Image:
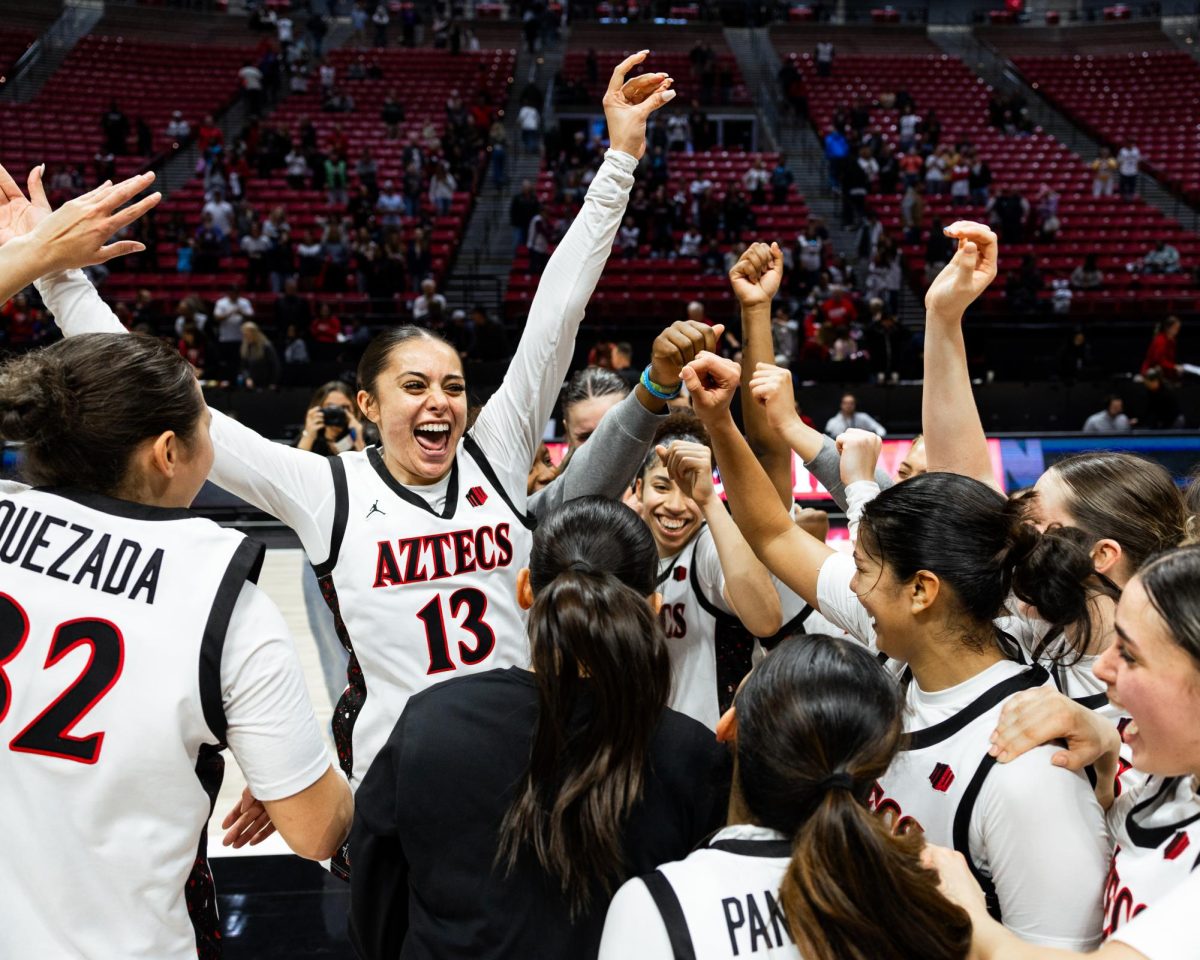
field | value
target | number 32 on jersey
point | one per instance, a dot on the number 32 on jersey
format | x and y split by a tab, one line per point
49	733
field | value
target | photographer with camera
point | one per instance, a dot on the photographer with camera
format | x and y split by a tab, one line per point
333	425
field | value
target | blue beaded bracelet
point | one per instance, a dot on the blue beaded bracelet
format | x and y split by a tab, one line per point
656	390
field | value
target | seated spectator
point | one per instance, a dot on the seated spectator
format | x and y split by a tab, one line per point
1047	214
291	309
781	181
392	115
1160	356
427	302
1111	419
1087	276
628	237
755	181
1164	258
1075	360
259	361
849	416
390	205
311	259
177	127
1007	213
1129	158
785	337
689	245
190	310
538	242
295	349
296	169
980	181
886	343
838	308
1060	295
491	339
441	189
231	312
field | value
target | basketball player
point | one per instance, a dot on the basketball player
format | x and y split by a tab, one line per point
134	647
1153	672
418	542
804	868
706	570
930	573
1128	508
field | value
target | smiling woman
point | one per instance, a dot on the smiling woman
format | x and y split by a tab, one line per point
418	541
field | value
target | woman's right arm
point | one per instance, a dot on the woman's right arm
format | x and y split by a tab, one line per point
954	437
290	484
787	551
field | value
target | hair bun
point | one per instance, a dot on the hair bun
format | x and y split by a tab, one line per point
35	398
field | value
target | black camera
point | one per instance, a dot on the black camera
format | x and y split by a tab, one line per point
335	416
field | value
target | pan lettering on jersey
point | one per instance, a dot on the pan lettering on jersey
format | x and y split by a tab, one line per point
440	556
47	545
753	927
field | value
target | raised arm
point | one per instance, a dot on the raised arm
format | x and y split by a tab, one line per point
34	241
787	551
607	464
510	425
748	589
755	279
954	437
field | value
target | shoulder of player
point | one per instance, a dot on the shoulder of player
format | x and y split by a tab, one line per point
1010	786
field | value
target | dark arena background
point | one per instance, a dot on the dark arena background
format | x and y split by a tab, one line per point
332	168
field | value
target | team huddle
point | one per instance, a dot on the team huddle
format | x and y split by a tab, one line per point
591	710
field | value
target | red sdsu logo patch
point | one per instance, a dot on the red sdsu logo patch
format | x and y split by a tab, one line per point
680	574
1178	844
941	778
476	497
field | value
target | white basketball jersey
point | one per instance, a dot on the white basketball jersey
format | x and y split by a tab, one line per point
1155	830
723	900
112	623
936	778
417	596
689	621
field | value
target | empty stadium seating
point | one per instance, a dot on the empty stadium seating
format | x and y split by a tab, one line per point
1149	98
147	80
1117	230
13	43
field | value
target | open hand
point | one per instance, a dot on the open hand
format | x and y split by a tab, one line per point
689	464
247	823
628	104
771	388
757	274
711	382
74	235
679	345
968	273
1033	717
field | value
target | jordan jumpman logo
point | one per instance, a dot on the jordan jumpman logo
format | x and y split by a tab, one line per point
374	509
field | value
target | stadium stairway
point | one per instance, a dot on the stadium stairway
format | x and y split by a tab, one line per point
1002	74
759	62
52	48
484	260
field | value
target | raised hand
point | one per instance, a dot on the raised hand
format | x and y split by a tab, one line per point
711	382
689	464
628	104
859	450
678	346
247	823
968	273
757	274
19	215
771	388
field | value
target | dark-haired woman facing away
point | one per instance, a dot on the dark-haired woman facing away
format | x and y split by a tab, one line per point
134	647
418	541
507	807
805	868
935	562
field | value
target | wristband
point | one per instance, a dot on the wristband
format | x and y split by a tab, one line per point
656	391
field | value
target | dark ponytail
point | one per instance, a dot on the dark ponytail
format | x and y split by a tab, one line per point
979	544
81	407
594	639
818	722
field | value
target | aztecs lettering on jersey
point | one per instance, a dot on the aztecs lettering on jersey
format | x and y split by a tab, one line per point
756	922
1155	848
440	556
673	618
890	810
33	540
